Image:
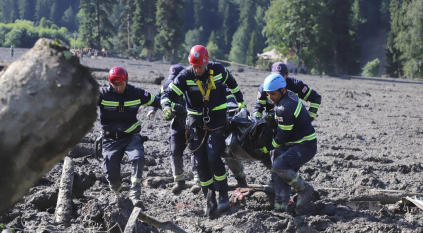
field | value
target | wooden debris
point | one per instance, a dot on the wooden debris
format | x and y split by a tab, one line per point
138	213
64	201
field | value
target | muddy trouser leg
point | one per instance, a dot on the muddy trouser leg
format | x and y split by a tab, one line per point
113	151
177	147
215	148
135	152
236	168
194	168
286	163
203	166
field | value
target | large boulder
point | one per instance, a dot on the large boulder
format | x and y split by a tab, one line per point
47	105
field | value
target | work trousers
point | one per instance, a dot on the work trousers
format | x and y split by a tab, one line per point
176	149
288	159
210	166
113	151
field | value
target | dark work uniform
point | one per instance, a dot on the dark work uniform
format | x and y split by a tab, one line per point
118	118
177	130
294	144
208	155
296	86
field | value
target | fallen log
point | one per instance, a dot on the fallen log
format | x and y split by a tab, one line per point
47	104
137	213
64	201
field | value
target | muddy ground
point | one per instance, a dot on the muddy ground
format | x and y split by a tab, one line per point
369	156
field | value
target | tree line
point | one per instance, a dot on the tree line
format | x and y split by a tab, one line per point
323	36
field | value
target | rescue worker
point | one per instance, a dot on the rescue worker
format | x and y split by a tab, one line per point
177	134
295	85
119	103
203	85
177	141
293	145
11	51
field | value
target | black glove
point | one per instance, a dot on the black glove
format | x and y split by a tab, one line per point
270	120
179	111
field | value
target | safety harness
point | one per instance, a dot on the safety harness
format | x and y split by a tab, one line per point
206	97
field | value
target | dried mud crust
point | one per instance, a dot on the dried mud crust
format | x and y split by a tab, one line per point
369	134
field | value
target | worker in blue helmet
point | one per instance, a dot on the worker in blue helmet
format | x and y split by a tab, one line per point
293	145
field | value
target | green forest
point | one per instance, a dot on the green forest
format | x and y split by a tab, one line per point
322	36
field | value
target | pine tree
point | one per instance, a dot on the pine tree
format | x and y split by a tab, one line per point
229	25
169	23
252	50
26	9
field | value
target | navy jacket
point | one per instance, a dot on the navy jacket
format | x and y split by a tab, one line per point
294	124
184	85
292	84
118	112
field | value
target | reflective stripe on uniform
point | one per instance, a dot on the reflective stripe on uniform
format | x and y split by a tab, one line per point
110	103
135	180
314	105
164	100
308	93
220	107
217	77
151	100
132	103
306	138
298	110
220	178
312	114
230	96
286	127
175	89
227	75
206	183
235	90
262	102
134	126
274	144
297	176
194	113
191	83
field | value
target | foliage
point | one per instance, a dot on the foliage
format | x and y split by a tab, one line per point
372	68
24	34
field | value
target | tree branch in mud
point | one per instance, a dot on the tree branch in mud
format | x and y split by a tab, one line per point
64	201
47	104
137	213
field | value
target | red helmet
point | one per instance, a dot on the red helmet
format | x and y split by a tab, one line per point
198	55
117	75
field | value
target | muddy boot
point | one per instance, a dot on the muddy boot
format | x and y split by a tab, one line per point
280	207
211	203
178	186
197	186
223	205
304	191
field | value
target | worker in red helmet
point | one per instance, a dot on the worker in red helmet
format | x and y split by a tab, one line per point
204	86
119	103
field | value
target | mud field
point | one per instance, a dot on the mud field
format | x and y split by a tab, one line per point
369	158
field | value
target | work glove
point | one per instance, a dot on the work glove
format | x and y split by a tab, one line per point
179	111
257	115
270	120
151	114
168	114
241	105
313	113
261	151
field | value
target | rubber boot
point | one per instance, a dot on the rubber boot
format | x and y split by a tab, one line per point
242	182
280	207
196	187
223	205
304	191
179	185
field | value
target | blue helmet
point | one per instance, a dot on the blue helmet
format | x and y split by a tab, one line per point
274	82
